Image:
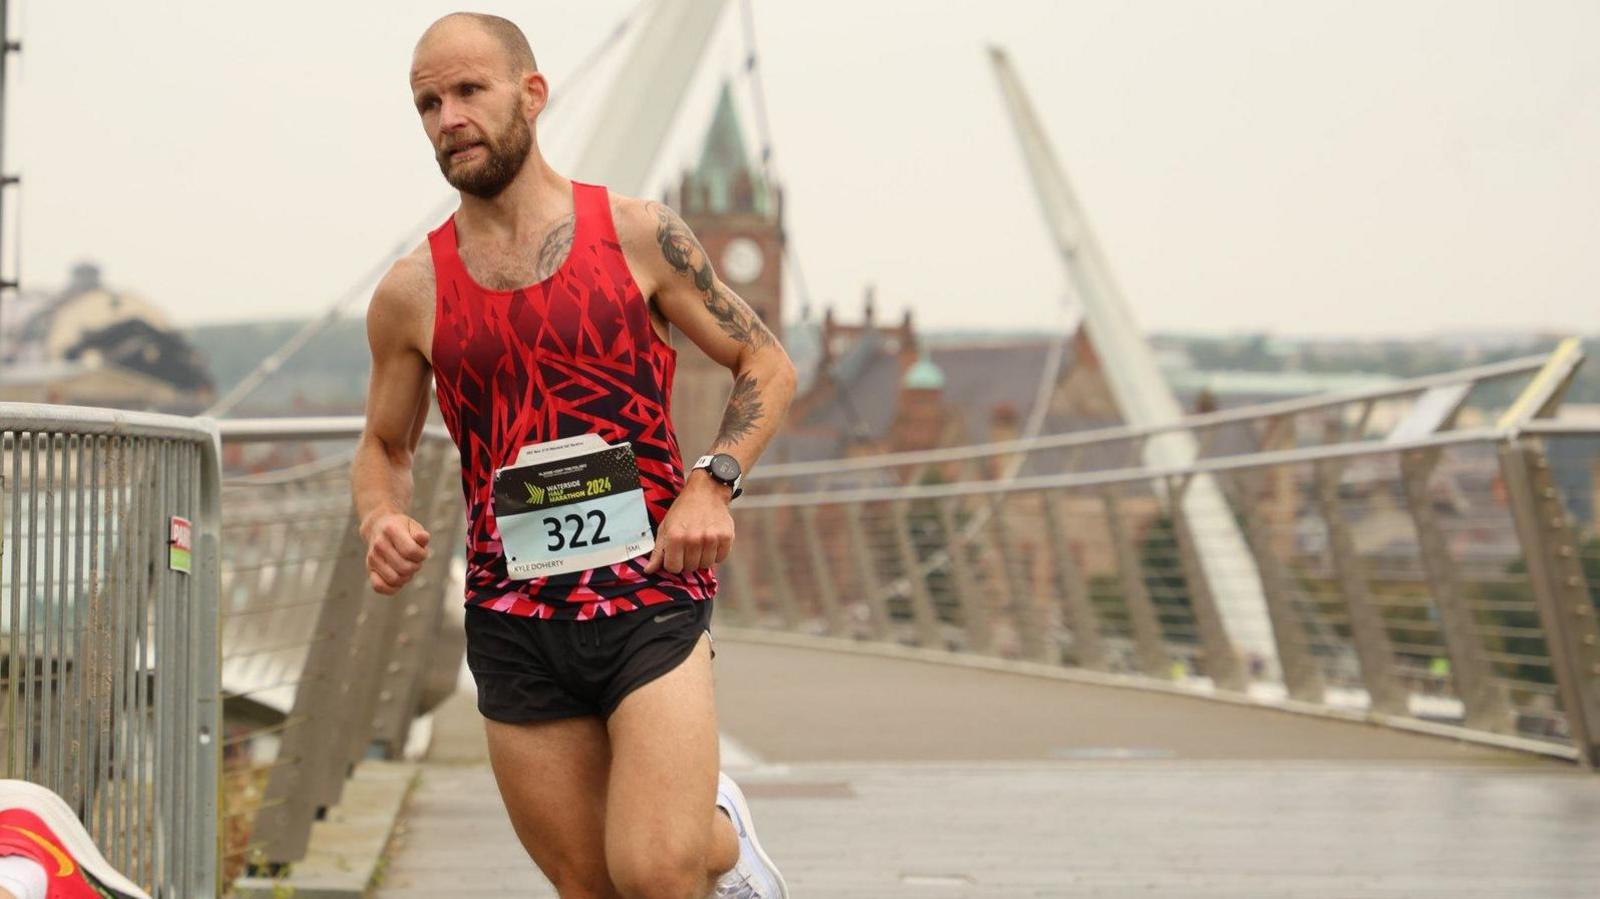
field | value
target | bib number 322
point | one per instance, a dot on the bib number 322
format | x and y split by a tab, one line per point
568	530
571	511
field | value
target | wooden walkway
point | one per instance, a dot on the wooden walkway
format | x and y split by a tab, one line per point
879	778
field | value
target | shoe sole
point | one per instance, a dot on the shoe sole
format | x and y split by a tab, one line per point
54	811
749	820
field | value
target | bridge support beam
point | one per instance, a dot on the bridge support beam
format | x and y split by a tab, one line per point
974	608
1077	610
421	603
1150	650
777	570
1301	675
1033	634
313	756
1561	591
1372	645
1222	663
922	613
737	596
867	574
1483	699
822	572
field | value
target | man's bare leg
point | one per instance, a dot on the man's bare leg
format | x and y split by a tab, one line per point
552	777
665	837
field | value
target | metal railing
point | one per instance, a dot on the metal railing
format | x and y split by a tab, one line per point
318	670
110	647
1422	562
1419	561
199	722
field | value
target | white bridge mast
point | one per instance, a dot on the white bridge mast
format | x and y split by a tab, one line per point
1141	393
639	108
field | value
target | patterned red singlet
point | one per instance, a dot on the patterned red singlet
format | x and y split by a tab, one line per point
573	354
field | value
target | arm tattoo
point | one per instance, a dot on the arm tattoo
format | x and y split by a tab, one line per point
743	414
680	249
736	319
553	252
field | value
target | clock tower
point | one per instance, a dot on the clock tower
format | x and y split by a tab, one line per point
738	217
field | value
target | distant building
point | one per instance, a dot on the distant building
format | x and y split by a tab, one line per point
738	217
883	387
94	346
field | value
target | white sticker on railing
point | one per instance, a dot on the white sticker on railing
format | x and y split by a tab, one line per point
180	545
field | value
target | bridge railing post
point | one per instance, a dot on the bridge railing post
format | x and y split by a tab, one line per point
736	591
1077	610
1367	629
1221	662
863	553
822	570
421	607
778	568
923	616
314	753
1150	650
970	599
1560	589
1034	640
1302	676
1484	701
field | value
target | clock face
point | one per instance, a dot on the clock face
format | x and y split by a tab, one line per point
742	260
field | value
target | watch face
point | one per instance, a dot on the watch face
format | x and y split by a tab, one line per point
724	467
742	260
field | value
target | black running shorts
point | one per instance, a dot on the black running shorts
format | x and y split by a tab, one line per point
534	669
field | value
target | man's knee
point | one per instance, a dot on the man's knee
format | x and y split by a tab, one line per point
578	876
582	883
660	872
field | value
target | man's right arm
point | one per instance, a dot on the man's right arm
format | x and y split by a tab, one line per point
397	406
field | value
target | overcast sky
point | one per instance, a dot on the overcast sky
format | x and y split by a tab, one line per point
1302	167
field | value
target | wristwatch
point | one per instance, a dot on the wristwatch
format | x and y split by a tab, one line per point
724	468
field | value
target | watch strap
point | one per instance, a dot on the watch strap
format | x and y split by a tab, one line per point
705	462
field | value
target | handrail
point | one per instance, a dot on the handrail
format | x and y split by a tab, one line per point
1489	372
86	420
269	430
1116	475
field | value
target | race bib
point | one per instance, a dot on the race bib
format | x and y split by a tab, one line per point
571	508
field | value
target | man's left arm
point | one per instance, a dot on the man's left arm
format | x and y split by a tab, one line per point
697	531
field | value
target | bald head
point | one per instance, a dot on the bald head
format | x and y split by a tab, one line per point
504	32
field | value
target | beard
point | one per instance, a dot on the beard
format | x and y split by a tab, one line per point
505	154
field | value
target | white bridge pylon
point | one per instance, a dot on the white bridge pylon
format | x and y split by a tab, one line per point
633	122
1142	395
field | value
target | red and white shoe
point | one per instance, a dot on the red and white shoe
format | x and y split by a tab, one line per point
36	823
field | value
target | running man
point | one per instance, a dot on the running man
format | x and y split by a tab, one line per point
542	308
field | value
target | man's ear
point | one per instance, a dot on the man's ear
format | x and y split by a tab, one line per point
535	92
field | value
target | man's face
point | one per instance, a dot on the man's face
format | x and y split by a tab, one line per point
472	110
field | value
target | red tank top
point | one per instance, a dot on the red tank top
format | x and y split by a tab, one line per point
574	354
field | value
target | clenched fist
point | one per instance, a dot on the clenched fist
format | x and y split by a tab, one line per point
697	531
397	545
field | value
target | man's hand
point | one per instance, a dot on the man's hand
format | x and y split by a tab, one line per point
397	545
697	531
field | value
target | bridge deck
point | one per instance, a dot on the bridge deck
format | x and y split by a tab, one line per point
883	778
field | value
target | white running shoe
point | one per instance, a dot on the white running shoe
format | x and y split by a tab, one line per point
754	876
